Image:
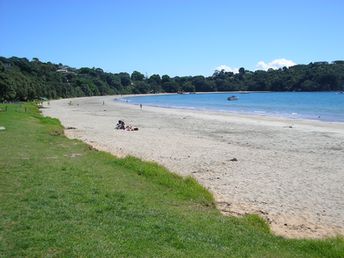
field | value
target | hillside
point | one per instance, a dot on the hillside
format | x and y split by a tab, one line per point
21	79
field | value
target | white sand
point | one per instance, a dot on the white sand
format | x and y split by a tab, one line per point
293	177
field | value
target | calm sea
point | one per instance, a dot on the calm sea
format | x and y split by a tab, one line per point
326	106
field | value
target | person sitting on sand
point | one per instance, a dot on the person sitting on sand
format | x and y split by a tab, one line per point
130	128
120	125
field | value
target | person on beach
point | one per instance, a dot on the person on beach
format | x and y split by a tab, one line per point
130	128
141	106
120	125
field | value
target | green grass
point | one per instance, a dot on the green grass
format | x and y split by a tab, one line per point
59	197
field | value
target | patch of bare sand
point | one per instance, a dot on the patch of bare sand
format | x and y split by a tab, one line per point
288	171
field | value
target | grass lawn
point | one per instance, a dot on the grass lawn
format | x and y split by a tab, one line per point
59	197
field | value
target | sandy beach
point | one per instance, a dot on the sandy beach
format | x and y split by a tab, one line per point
288	171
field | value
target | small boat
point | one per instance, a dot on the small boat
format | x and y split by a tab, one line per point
231	98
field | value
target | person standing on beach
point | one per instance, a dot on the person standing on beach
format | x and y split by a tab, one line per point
141	106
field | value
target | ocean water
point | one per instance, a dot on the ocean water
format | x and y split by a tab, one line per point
325	106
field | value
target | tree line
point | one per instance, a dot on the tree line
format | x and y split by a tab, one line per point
21	79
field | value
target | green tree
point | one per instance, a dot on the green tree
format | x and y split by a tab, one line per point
137	76
141	87
125	79
165	78
188	87
170	86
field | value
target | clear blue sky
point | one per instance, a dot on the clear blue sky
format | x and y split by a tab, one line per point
175	37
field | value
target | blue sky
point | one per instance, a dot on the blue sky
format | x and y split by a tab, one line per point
172	37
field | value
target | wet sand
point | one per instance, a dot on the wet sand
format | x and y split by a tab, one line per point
288	171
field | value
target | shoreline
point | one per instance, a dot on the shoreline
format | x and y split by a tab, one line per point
242	113
293	116
291	176
338	126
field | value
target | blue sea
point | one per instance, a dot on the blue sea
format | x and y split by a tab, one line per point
325	106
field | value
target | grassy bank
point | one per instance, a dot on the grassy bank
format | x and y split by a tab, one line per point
59	197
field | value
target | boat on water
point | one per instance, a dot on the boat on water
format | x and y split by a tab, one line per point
231	98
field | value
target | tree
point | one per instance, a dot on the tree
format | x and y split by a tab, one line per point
188	87
141	87
21	79
165	78
137	76
155	83
170	86
7	89
155	78
201	84
125	79
242	71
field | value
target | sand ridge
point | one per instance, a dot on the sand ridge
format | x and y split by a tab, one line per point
288	171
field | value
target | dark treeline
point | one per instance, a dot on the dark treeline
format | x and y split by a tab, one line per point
21	79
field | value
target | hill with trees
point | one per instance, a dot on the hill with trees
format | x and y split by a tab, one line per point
21	79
